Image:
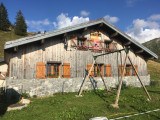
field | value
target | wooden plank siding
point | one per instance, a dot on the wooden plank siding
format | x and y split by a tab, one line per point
23	64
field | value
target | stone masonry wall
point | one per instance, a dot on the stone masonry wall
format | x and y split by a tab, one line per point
42	87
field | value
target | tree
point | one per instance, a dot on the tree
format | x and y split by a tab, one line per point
20	25
4	21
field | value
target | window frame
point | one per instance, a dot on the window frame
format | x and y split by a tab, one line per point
53	70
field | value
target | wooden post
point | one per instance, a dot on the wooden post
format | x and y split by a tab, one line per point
85	81
140	79
102	79
120	85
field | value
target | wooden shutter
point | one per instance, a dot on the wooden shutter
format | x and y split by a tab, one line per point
120	69
136	67
92	71
91	44
73	41
40	70
108	70
101	44
8	70
115	46
66	70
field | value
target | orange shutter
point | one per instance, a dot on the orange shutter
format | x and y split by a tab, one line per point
136	67
40	70
120	70
66	70
92	71
108	70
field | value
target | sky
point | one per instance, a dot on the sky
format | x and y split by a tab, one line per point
138	18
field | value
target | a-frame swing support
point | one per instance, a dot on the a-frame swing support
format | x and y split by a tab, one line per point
94	62
120	83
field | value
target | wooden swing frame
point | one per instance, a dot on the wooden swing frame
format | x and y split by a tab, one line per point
122	75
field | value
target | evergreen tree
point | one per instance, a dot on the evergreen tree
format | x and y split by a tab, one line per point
4	21
20	25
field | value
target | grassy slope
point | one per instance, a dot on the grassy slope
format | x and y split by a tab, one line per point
154	69
8	36
154	45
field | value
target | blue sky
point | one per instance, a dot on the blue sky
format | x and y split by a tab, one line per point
138	18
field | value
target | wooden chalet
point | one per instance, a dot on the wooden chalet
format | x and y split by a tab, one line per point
68	53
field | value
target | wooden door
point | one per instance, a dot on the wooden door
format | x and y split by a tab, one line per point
66	70
108	70
40	70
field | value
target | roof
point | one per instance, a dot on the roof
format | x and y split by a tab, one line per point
1	59
38	37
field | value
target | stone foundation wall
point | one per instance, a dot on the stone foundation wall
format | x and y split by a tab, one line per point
41	87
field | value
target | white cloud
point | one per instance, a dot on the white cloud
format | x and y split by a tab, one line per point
111	19
84	13
144	30
39	25
38	22
131	3
154	17
63	20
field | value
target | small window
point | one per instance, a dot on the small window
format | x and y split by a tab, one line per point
53	70
97	70
80	42
129	70
111	46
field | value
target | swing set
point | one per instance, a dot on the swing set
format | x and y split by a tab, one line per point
115	105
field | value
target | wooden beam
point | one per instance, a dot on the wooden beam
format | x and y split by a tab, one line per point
101	25
65	34
151	58
42	41
15	49
85	28
139	51
113	35
127	43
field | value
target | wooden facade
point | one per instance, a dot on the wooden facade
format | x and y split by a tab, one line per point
70	55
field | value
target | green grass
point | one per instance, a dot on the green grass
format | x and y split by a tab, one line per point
68	107
154	69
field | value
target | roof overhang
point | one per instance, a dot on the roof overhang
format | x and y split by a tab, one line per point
38	37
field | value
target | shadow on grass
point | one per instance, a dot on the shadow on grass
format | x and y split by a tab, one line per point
6	99
141	111
157	92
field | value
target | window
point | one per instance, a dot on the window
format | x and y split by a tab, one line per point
110	46
96	70
129	70
82	43
53	70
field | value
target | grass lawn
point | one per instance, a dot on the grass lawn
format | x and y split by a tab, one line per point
92	104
